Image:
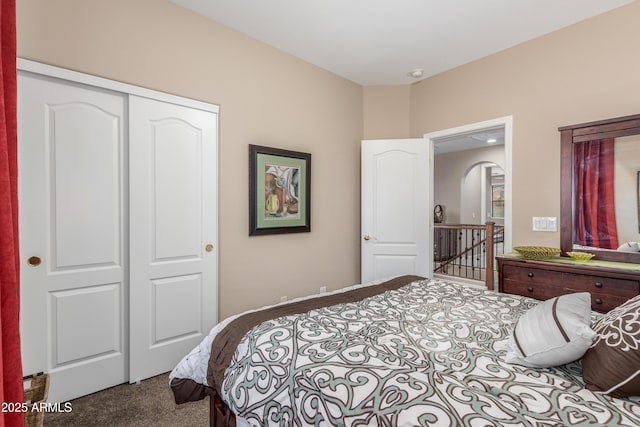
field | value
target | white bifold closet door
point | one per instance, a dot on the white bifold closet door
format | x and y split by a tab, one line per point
118	207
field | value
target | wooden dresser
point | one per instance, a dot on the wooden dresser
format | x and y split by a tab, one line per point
610	283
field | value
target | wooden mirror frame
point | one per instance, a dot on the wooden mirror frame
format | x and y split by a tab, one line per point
575	134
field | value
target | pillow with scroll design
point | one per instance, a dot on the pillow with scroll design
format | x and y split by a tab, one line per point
612	364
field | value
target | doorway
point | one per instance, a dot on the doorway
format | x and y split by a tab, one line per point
486	146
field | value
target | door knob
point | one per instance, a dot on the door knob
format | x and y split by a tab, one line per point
34	261
209	247
367	237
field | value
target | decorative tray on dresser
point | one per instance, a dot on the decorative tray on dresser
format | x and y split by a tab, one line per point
610	283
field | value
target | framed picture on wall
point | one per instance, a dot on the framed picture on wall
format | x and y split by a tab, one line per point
279	191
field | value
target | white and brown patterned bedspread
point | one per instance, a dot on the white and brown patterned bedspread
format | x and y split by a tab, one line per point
430	353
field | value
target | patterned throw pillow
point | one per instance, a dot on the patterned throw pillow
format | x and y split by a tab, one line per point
612	364
555	332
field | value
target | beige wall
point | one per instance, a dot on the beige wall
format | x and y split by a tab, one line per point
386	113
585	72
266	97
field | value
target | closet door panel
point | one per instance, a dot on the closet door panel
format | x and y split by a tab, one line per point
173	299
177	213
173	159
84	145
99	309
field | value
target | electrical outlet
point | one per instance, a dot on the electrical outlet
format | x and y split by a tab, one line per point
283	299
323	289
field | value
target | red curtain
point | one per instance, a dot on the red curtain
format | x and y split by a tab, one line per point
11	388
595	220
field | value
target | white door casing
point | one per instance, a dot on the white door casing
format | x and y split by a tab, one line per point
72	170
505	122
173	239
396	221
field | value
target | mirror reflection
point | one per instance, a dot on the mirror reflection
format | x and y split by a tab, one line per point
605	194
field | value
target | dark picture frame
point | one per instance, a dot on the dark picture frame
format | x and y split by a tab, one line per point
279	191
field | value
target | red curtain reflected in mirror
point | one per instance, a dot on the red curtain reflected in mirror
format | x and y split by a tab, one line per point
595	221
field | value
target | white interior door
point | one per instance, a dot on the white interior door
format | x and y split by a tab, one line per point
396	219
72	174
173	242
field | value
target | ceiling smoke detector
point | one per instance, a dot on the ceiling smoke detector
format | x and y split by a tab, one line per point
417	73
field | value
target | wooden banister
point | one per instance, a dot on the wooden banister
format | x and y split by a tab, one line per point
491	230
488	278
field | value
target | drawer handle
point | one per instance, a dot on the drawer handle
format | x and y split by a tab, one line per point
598	301
530	274
598	285
530	289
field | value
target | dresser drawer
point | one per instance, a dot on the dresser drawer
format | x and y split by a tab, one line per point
599	301
531	275
605	302
535	290
624	288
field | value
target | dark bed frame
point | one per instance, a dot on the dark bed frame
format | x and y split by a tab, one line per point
219	413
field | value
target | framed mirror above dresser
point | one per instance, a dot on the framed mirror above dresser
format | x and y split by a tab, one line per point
599	173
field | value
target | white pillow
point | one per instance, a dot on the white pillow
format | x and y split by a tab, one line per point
629	247
555	332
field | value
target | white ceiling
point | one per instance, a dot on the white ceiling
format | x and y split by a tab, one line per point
469	141
379	42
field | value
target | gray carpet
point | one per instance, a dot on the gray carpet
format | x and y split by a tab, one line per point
149	403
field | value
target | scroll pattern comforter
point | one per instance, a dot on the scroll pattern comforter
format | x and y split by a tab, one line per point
429	353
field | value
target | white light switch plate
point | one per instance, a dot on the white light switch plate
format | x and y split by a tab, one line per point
545	223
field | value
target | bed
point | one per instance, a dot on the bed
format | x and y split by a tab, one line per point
402	352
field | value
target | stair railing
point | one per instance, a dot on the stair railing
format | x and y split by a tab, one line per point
486	241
